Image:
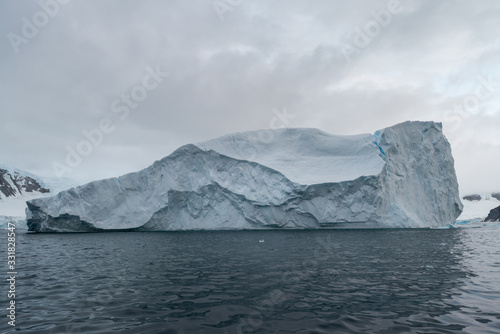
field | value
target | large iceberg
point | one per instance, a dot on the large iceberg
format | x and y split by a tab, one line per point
401	176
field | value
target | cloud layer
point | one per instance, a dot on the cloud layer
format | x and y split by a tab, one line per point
345	67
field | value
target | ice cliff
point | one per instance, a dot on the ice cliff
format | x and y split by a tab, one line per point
401	176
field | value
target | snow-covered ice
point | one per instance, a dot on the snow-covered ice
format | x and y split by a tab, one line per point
312	157
401	176
22	186
19	221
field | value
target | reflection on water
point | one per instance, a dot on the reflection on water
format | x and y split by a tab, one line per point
372	281
478	299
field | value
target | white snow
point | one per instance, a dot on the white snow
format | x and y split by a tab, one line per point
478	209
304	156
20	222
56	184
12	185
402	176
14	208
53	183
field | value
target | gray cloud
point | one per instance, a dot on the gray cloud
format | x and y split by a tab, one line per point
227	76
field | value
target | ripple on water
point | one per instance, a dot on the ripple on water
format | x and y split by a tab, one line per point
425	281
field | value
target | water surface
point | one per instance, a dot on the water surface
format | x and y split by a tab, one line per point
329	281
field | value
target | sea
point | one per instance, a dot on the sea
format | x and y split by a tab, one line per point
270	281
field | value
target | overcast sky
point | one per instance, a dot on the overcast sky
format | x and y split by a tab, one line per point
232	65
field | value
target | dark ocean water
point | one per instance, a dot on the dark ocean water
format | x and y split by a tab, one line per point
330	281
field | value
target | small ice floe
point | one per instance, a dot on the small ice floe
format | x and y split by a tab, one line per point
446	227
463	222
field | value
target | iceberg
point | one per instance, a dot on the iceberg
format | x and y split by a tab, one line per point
399	177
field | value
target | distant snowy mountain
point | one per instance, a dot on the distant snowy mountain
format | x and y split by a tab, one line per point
16	183
18	186
478	206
